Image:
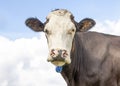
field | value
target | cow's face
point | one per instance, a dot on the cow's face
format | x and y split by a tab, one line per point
60	29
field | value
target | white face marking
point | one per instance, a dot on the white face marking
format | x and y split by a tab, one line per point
60	31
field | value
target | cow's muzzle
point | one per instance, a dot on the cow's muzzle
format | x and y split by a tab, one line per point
57	56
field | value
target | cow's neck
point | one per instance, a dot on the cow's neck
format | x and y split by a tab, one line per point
82	68
72	71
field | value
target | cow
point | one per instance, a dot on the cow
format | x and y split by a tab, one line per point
87	58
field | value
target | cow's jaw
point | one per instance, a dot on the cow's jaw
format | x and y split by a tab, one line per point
59	31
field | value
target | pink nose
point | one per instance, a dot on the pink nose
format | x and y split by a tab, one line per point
58	54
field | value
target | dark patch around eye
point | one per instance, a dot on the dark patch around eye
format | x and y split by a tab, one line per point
71	31
46	31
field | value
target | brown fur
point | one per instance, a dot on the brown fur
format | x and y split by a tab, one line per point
95	61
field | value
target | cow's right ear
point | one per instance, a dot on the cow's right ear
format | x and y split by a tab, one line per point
35	24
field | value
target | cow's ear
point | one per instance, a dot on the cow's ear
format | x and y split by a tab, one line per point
35	24
85	24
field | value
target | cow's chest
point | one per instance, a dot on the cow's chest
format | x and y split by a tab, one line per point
79	79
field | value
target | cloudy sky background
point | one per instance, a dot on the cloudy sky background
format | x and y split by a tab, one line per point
23	53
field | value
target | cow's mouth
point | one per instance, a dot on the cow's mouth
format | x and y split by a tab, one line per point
59	57
58	63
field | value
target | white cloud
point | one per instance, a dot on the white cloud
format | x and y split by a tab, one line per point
107	26
23	61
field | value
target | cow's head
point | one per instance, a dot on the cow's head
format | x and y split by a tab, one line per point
60	28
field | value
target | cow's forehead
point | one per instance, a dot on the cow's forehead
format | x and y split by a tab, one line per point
60	12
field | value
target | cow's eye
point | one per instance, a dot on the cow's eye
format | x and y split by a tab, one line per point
46	31
71	31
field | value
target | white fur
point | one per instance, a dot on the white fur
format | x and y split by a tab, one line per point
60	32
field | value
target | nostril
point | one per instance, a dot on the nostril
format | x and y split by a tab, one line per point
52	53
64	53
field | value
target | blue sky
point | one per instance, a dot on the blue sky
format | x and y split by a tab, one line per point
23	53
13	13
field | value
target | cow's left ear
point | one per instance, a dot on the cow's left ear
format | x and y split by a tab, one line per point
85	24
34	24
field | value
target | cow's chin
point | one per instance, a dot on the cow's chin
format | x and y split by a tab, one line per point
61	63
58	63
